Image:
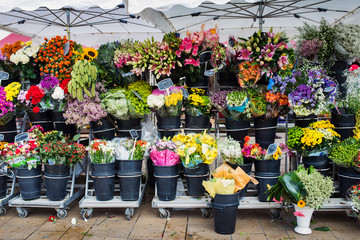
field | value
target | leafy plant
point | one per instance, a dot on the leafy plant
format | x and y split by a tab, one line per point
84	76
345	152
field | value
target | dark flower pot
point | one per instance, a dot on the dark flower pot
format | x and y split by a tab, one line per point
104	130
56	178
3	185
124	126
29	182
344	123
305	121
43	119
168	126
265	131
237	129
9	131
347	178
166	182
225	208
262	187
197	122
195	177
129	167
129	187
228	79
321	163
104	180
60	125
267	168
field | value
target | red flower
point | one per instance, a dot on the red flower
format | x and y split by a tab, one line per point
51	218
353	67
36	109
64	84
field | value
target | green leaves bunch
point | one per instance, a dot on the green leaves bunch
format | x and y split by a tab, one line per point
83	79
294	138
345	152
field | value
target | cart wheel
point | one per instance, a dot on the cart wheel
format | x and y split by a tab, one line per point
129	212
164	214
276	213
22	212
2	211
61	213
206	213
86	213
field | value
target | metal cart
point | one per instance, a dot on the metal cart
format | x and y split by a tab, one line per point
9	195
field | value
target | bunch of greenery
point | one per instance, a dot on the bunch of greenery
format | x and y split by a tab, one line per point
348	38
345	152
137	103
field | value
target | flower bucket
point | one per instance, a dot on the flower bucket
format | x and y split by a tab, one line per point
303	222
347	178
237	129
199	83
228	79
129	167
344	123
124	126
104	180
246	167
267	168
195	177
56	178
263	186
166	182
129	187
197	122
3	186
9	131
320	163
225	208
29	182
305	121
41	118
168	126
104	130
265	131
59	124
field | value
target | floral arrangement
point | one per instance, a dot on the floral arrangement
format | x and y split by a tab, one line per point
268	51
136	95
355	197
313	140
168	104
9	49
198	104
88	54
195	149
5	64
53	59
248	73
346	153
7	99
58	97
219	55
122	55
163	153
230	151
277	104
304	187
21	155
32	98
275	151
351	103
114	102
101	151
238	104
347	37
309	49
130	149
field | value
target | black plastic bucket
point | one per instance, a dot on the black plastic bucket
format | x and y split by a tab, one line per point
104	180
129	187
344	123
321	163
126	133
195	177
43	119
166	182
104	130
246	166
3	186
59	124
197	122
200	82
128	124
305	121
237	129
129	167
225	208
267	168
168	122
263	186
29	182
265	131
347	178
9	131
228	79
103	169
56	178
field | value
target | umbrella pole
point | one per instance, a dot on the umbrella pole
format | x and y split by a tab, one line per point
261	12
68	23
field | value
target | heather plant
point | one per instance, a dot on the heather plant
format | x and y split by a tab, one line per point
347	38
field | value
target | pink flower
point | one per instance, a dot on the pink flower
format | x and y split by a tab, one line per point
194	52
281	199
178	53
353	67
190	61
245	54
282	45
283	62
270	34
299	214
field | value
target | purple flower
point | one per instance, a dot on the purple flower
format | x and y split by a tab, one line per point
49	82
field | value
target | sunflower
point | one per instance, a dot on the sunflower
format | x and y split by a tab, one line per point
90	54
301	203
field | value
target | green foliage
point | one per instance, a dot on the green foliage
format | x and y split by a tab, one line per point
83	79
345	152
294	138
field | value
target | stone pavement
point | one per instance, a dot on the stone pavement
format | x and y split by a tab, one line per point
182	224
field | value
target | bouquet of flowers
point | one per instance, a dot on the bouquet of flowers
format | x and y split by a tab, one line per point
230	151
198	104
303	187
314	140
32	97
355	197
130	149
277	104
274	152
351	103
309	49
168	105
194	149
346	153
163	153
8	97
101	151
5	64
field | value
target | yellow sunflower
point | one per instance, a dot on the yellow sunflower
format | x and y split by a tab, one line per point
90	54
301	203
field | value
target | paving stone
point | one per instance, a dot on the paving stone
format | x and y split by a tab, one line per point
251	236
18	232
48	235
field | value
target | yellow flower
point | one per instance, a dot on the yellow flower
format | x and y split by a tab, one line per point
12	90
301	203
90	54
268	186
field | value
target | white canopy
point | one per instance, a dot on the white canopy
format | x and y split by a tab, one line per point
88	24
243	17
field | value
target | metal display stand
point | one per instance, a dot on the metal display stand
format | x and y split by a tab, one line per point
43	202
9	195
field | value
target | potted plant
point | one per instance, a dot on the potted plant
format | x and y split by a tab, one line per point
197	110
355	197
6	65
345	154
167	107
230	152
58	153
103	168
196	152
165	162
313	143
129	158
307	189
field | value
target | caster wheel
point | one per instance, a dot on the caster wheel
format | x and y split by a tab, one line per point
61	213
129	212
2	211
164	214
86	214
276	214
22	212
206	214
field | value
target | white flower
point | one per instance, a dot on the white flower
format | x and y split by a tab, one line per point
156	101
14	59
73	221
24	59
58	94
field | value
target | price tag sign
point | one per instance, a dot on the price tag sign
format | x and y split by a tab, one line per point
185	93
134	134
209	73
136	94
18	159
165	84
205	56
66	48
3	76
1	137
128	74
329	89
21	137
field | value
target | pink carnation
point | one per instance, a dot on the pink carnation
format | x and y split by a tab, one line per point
299	214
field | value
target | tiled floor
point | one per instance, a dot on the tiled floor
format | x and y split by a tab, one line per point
183	224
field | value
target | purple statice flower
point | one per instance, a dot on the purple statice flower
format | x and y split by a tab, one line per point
219	99
49	82
5	106
303	94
